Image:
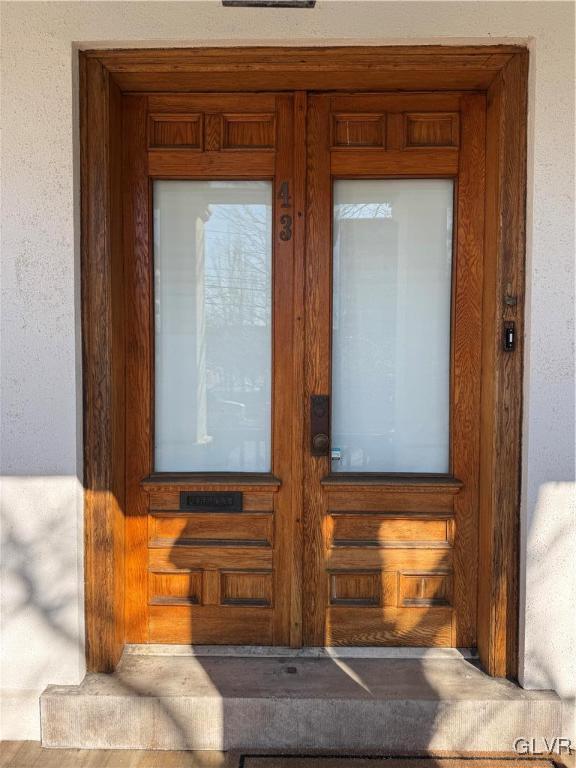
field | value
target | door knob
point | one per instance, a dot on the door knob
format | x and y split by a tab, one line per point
321	444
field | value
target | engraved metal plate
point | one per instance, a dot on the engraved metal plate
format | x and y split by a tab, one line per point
216	501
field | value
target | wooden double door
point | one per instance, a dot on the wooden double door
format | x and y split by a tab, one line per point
303	282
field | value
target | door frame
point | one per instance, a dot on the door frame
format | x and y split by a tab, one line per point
499	71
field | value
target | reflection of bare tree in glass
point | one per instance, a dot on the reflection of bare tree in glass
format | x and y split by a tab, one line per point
238	318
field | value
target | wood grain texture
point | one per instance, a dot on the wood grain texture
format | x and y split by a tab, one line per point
188	163
366	163
393	559
358	130
211	625
197	527
249	131
426	129
246	588
318	300
466	361
175	588
138	373
424	589
175	559
282	366
211	103
502	371
390	500
329	68
298	394
389	626
180	130
103	361
375	531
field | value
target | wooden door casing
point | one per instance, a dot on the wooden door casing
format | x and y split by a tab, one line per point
202	577
391	560
105	76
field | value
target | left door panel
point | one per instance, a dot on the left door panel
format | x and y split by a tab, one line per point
208	237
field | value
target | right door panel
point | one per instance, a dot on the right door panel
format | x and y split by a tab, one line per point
394	281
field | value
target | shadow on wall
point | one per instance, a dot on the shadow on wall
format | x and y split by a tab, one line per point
42	622
549	598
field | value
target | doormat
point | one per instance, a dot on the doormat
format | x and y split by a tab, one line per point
354	761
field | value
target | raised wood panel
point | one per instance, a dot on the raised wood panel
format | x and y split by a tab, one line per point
246	588
180	130
388	626
192	558
248	131
210	625
251	502
381	531
354	589
424	589
175	588
358	130
217	529
427	129
363	588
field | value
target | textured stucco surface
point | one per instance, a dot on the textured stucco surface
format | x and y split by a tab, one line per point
41	385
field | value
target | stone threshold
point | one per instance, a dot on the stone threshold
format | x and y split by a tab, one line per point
245	702
326	652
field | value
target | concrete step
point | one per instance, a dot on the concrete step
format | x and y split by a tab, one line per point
296	702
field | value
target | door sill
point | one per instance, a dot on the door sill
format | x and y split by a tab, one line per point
266	651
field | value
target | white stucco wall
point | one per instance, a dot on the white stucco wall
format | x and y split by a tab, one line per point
42	594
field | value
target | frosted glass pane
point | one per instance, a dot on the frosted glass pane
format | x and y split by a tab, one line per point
391	325
213	325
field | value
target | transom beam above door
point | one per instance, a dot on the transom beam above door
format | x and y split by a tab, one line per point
332	68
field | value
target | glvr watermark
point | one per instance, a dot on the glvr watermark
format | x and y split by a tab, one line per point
556	745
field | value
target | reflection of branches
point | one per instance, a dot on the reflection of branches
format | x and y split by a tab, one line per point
363	211
237	266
